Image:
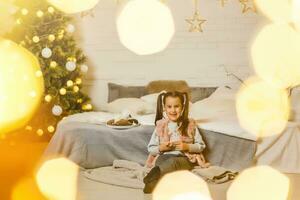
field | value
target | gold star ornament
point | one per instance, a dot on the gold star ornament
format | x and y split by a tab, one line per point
195	22
248	5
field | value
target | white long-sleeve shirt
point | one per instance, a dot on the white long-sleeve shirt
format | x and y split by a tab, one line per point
196	147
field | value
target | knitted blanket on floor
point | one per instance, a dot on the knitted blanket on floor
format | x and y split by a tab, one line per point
130	174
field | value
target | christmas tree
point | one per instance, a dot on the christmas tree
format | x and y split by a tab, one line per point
48	34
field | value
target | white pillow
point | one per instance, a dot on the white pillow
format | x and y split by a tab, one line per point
133	105
150	98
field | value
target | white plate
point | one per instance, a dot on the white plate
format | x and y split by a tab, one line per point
122	127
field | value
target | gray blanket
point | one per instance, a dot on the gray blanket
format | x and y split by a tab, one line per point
93	146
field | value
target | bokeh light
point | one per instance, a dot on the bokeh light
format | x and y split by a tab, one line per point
275	10
181	185
26	189
275	55
262	109
73	6
21	89
259	183
145	27
57	179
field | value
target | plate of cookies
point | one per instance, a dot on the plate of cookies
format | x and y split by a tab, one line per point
122	123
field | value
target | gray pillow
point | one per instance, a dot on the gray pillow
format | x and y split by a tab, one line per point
199	93
116	91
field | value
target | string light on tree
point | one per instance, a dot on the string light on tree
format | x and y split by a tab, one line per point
70	83
51	37
51	129
76	89
53	64
48	98
40	132
78	81
36	39
51	9
62	91
24	11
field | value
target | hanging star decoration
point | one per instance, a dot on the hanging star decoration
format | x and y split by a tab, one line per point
223	2
248	5
88	13
196	22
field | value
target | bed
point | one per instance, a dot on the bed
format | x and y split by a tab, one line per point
84	138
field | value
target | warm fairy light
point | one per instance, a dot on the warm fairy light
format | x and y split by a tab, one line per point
48	98
53	64
75	88
57	179
62	91
145	27
275	54
35	39
39	13
40	132
15	91
262	109
73	6
181	185
276	10
78	81
51	37
296	14
51	129
70	83
259	183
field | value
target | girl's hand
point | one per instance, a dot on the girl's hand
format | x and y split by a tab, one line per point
181	146
166	146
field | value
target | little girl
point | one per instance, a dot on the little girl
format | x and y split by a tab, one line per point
176	143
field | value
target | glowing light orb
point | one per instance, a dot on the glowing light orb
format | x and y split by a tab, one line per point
276	10
262	109
145	27
20	88
181	185
73	6
57	179
26	189
275	54
259	183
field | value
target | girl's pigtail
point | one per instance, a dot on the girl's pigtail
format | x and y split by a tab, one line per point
159	107
184	118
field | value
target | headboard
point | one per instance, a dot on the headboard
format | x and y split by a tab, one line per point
116	91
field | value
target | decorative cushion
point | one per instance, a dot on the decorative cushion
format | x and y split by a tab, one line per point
116	91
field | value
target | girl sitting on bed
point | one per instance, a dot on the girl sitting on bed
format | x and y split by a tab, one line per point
176	143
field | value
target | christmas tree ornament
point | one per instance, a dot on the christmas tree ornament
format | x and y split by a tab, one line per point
48	98
154	31
57	110
70	28
46	52
196	21
36	39
51	129
84	68
75	88
70	66
73	6
17	108
51	37
62	91
39	132
39	13
70	83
